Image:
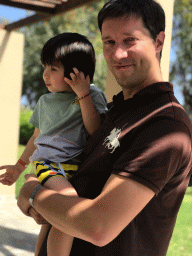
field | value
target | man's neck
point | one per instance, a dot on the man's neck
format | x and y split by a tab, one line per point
129	93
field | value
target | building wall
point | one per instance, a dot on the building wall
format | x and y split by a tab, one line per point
11	66
113	88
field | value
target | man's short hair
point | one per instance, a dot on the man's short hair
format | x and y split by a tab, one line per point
150	11
72	50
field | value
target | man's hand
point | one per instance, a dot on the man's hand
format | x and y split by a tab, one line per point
10	176
79	84
37	217
25	192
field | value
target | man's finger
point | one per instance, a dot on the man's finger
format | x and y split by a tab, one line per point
36	216
23	210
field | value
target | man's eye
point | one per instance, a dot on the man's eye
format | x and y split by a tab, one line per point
130	39
109	42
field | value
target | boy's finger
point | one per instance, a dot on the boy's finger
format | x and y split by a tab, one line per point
73	76
82	75
3	167
88	79
67	80
76	70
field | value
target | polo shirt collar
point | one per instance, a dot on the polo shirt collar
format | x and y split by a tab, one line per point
147	92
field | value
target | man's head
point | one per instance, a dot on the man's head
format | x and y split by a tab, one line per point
150	11
131	52
72	50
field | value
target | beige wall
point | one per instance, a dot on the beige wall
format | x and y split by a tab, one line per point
11	62
113	88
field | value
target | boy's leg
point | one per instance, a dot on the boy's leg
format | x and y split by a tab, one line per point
54	182
58	243
41	238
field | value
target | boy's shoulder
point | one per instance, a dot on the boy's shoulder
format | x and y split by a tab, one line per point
46	96
94	88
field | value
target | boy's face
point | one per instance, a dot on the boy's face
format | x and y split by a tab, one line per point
53	76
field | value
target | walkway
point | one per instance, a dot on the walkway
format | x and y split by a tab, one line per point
18	233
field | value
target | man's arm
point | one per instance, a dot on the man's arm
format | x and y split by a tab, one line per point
97	221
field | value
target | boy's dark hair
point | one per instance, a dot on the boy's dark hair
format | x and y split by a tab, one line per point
73	51
150	11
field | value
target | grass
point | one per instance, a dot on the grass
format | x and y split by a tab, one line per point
21	180
181	242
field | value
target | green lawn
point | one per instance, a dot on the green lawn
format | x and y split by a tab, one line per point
181	242
21	179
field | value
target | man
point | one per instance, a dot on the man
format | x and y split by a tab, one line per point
137	165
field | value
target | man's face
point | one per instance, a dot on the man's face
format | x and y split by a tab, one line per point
130	52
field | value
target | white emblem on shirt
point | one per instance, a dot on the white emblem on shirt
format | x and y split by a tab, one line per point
112	141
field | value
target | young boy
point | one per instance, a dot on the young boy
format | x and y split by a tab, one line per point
63	119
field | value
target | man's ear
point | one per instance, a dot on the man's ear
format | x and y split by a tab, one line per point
160	42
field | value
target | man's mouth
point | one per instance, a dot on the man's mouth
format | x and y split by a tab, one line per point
123	66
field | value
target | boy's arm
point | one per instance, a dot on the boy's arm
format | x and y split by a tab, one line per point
29	149
81	86
91	117
13	171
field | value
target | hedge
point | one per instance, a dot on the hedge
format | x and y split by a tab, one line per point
26	129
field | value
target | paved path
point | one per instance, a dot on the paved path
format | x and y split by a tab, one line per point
18	233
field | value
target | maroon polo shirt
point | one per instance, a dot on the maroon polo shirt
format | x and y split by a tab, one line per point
148	139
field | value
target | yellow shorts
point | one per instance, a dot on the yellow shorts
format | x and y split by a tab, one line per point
46	169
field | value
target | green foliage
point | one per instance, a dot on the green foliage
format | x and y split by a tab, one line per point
26	129
82	20
181	69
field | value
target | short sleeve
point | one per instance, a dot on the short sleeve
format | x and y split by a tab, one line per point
155	153
99	99
34	120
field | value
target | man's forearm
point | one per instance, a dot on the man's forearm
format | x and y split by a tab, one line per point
72	215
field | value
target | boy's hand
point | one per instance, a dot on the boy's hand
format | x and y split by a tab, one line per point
79	83
10	176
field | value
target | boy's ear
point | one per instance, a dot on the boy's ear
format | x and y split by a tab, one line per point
160	42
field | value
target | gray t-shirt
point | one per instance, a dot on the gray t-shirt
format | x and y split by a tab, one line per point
62	133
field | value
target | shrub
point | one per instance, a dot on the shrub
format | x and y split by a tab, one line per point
26	129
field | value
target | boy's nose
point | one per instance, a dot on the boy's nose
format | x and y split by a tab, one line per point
45	75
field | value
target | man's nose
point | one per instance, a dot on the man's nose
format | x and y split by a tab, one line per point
120	52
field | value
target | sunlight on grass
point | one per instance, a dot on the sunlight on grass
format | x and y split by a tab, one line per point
21	179
181	242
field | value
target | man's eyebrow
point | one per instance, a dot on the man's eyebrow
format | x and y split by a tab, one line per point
125	34
105	37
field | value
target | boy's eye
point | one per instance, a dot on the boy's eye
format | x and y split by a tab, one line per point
53	69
